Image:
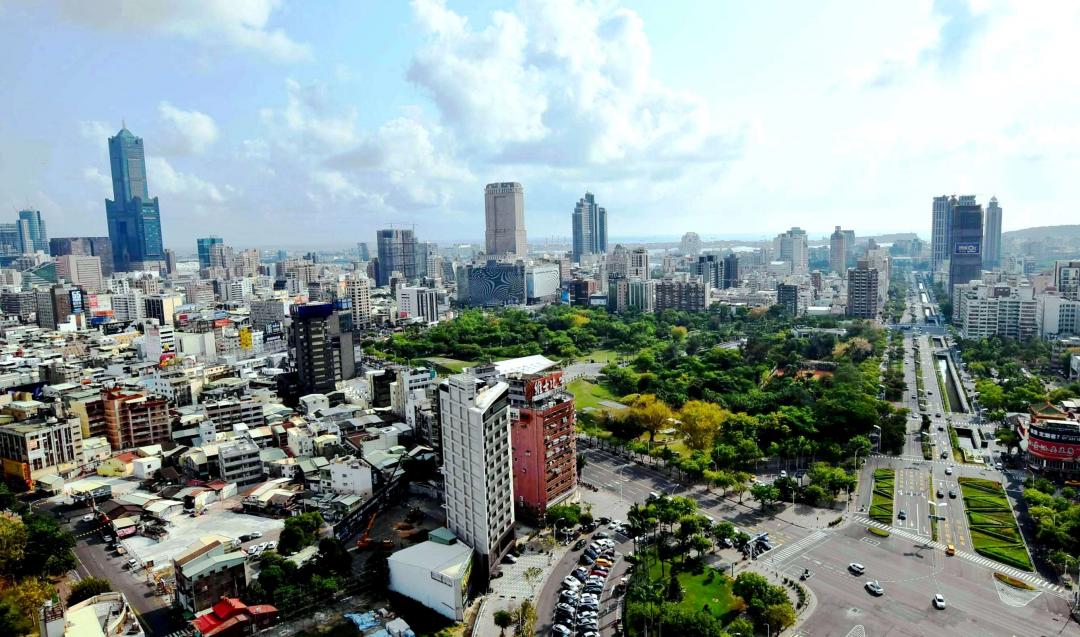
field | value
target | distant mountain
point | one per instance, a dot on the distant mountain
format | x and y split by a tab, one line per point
1071	231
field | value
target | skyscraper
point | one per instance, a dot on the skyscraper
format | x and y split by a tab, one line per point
590	227
323	340
992	235
965	244
941	231
504	215
204	245
862	291
100	247
397	253
711	269
134	218
32	231
732	274
791	247
838	251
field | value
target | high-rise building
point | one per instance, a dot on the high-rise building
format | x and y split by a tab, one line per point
10	239
362	252
204	244
941	230
419	302
477	468
791	247
711	269
838	251
135	419
850	245
690	245
1067	279
397	253
590	227
732	274
687	296
496	284
965	244
544	448
82	271
787	296
358	291
862	291
992	235
32	232
981	310
323	343
170	262
504	216
134	218
639	264
100	247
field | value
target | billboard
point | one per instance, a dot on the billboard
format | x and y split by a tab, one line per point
1053	450
967	247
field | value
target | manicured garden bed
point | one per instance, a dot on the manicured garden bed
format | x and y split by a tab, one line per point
994	533
881	506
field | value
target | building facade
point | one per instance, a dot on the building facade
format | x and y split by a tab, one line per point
496	284
134	217
135	419
589	223
862	291
981	310
992	235
323	344
965	244
838	251
504	215
543	442
397	253
688	296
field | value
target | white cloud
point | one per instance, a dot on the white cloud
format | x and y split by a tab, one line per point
102	181
190	132
96	131
242	24
186	186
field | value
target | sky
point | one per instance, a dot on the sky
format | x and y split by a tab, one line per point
275	123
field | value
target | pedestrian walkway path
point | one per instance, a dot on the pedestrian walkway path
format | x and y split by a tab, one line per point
1025	576
781	553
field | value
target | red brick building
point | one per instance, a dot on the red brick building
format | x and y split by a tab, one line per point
542	441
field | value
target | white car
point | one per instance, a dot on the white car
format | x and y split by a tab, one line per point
255	534
271	545
89	517
948	471
571	583
856	568
939	602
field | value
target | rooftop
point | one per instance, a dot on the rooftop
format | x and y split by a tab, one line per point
524	365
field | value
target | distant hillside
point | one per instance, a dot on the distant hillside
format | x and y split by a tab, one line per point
1043	232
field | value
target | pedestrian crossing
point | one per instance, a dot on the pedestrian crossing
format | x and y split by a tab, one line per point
781	553
1030	578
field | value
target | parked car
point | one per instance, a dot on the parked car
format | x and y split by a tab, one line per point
132	563
571	583
563	606
89	517
952	493
272	545
601	535
580	544
940	494
604	520
558	630
255	534
948	471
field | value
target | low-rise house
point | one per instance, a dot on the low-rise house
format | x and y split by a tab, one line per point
207	571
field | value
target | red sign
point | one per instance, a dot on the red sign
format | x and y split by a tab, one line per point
1053	450
543	385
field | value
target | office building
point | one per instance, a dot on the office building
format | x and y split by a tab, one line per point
791	246
419	303
323	344
982	310
397	253
589	223
638	267
31	229
134	217
56	304
1067	279
688	296
10	240
496	284
100	247
170	262
992	235
358	291
862	291
542	282
543	442
1058	316
134	419
162	307
965	244
690	245
641	294
84	272
30	447
204	244
477	465
838	251
941	243
787	296
732	273
362	252
710	267
504	216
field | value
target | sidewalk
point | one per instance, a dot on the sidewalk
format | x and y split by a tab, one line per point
508	591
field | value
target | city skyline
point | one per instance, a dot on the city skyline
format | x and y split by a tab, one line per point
409	145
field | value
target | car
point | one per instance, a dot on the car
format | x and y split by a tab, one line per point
902	515
589	633
255	534
568	596
558	630
604	563
563	606
616	523
875	588
600	572
783	473
606	541
939	602
952	493
588	527
252	550
89	517
580	544
588	605
764	545
571	583
998	466
604	520
594	588
132	563
948	471
601	535
950	550
944	454
509	559
856	568
272	545
940	494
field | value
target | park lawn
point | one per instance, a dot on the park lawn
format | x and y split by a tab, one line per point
881	506
673	441
449	365
994	533
601	356
587	394
701	590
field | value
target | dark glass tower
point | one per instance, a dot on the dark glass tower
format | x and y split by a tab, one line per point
965	244
204	245
134	218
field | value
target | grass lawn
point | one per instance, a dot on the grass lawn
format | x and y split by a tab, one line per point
710	588
994	533
588	394
449	365
881	506
601	356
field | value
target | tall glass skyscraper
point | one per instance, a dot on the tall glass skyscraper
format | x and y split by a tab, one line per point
32	232
134	217
397	253
205	244
589	223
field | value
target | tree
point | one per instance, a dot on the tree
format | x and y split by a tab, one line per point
813	494
503	619
532	575
674	589
700	423
30	593
525	618
299	531
87	588
749	585
570	513
652	413
766	494
779	616
334	557
48	547
12	543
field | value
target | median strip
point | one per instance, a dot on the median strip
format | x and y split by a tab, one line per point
994	533
881	505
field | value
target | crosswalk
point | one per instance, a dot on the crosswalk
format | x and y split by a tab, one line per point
1030	578
781	553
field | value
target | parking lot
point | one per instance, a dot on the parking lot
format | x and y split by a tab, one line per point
582	594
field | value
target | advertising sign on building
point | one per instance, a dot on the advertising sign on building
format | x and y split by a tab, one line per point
967	247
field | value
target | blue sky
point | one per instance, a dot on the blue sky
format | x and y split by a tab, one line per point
313	124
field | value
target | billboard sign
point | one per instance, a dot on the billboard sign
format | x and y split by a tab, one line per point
1053	450
967	248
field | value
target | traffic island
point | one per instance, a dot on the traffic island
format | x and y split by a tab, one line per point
881	505
994	533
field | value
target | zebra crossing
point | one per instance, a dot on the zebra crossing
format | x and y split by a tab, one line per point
1030	578
781	553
